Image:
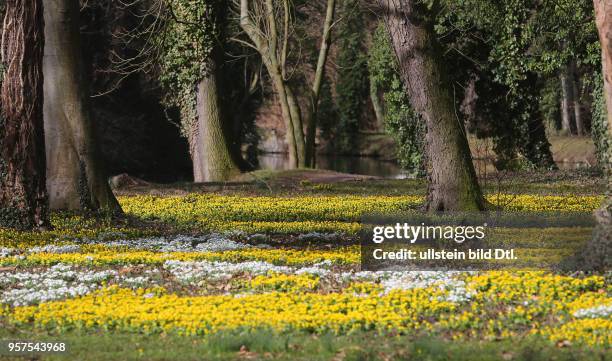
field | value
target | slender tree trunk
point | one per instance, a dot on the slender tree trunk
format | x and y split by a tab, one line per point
23	196
274	59
599	250
210	150
452	179
533	143
311	124
283	93
377	104
566	103
579	121
298	126
76	179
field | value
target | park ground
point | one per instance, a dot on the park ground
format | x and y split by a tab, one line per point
267	267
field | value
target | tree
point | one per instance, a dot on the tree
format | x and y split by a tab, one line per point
452	182
505	48
75	175
315	92
181	43
192	58
23	196
352	85
210	148
261	20
191	45
398	116
600	247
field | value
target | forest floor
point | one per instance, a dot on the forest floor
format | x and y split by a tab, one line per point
268	267
569	149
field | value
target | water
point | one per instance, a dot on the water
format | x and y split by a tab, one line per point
377	167
343	164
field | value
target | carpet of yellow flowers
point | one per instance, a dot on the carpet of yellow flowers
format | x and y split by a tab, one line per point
99	274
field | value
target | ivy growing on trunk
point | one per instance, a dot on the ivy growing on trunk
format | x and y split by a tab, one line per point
599	124
400	120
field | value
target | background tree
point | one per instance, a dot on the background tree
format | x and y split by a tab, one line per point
496	50
75	175
452	183
267	24
352	84
399	118
23	196
312	118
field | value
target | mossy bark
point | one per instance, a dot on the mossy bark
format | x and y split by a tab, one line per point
210	150
452	182
76	179
23	196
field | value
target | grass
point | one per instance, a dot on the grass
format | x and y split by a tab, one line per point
266	345
318	182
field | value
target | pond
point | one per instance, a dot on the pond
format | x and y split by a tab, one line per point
344	164
377	167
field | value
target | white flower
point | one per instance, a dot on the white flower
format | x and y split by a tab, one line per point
602	311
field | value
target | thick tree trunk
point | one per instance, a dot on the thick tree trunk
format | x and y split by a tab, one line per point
210	150
603	18
452	179
566	103
75	176
599	250
23	196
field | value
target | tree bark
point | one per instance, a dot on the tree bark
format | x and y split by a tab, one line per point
566	103
274	61
23	196
265	38
452	182
76	179
377	105
210	150
603	19
599	250
578	119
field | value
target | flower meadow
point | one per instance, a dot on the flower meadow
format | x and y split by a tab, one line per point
285	264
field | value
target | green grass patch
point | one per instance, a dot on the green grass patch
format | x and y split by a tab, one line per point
266	345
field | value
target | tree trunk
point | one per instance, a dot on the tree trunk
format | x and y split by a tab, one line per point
298	126
282	92
599	248
566	103
210	150
378	107
75	175
579	121
23	196
275	60
452	182
311	124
